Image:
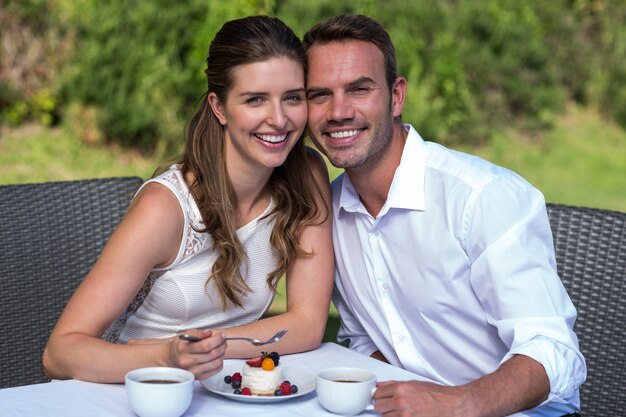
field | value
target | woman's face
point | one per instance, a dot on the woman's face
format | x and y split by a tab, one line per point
264	114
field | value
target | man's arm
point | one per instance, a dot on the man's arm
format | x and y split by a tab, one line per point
519	384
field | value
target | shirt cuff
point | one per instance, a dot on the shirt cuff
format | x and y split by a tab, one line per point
564	366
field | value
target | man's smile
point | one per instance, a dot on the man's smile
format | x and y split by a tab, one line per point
344	133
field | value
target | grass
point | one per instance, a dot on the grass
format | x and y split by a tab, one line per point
35	154
581	161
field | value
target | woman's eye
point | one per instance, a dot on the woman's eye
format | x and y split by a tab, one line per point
254	100
294	98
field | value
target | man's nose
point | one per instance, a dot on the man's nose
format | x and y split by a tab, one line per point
341	108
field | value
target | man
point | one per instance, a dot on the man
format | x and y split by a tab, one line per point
444	262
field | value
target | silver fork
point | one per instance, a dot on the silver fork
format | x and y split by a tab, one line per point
255	342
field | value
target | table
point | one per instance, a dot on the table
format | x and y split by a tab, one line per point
79	398
84	399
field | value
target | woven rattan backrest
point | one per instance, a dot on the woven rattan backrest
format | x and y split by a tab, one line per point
591	260
50	236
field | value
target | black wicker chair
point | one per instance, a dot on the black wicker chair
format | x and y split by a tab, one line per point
591	260
50	236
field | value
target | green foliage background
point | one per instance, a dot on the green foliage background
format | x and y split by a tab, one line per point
131	72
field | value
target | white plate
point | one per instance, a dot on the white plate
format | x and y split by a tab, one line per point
304	380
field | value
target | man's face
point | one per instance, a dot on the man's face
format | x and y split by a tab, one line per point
350	105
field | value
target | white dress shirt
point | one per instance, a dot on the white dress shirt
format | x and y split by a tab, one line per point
455	275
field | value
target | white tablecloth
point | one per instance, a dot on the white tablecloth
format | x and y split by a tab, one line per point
78	398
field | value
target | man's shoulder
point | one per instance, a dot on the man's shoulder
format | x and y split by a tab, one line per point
443	162
465	167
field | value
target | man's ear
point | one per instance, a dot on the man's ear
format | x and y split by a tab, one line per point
398	94
217	107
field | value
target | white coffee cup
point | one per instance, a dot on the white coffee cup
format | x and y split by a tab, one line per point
159	391
346	391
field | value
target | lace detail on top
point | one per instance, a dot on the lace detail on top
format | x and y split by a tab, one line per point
112	334
193	241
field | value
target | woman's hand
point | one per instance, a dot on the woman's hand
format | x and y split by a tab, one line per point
203	358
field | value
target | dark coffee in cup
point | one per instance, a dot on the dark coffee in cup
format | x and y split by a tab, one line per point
345	390
171	387
159	381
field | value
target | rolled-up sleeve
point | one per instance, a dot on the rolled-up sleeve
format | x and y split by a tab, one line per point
564	365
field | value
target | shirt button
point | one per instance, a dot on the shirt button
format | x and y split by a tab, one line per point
401	338
385	286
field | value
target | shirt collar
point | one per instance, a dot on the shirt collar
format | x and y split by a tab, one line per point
348	198
407	187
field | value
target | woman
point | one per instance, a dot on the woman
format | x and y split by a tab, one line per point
204	243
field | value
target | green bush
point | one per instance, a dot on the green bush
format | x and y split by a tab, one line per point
131	63
9	99
610	72
28	65
136	68
140	64
509	68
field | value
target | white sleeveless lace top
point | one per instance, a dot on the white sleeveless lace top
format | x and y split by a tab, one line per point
175	298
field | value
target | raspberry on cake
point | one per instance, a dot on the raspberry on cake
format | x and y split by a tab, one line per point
261	377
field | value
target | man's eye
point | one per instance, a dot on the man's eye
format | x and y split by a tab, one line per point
254	100
361	90
317	95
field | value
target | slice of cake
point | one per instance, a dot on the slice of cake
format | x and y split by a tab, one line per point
262	375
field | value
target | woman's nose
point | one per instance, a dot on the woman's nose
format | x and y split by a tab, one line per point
277	116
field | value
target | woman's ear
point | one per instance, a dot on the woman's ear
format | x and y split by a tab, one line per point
217	107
